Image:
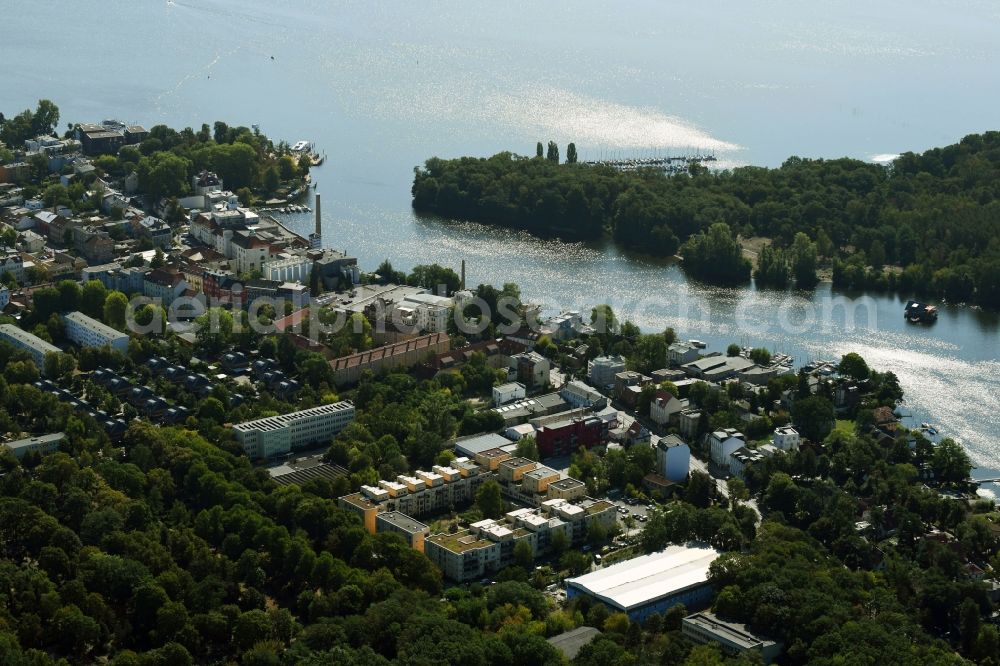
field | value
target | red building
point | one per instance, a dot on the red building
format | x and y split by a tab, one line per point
565	437
222	289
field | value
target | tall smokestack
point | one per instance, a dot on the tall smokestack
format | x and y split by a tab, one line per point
463	273
319	223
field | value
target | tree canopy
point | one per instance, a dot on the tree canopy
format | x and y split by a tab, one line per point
934	216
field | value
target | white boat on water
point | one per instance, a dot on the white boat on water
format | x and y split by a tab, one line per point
697	344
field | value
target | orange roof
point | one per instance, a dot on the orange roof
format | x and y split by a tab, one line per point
291	320
382	353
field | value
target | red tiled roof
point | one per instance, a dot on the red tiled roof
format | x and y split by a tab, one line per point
382	353
291	320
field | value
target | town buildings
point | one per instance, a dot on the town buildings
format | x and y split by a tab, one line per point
532	369
413	531
488	545
723	443
602	370
567	436
681	353
786	438
420	494
509	392
689	422
273	436
717	368
628	386
578	394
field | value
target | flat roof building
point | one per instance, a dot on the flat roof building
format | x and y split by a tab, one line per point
538	479
273	436
734	638
88	332
567	489
43	444
570	642
651	583
301	470
492	458
473	446
513	470
32	344
410	529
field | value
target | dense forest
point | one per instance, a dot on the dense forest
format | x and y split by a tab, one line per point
926	223
169	549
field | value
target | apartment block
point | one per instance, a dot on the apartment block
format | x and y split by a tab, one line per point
602	370
442	489
88	332
273	436
399	523
488	545
32	344
513	470
566	437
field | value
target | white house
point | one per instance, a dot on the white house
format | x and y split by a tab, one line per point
664	406
430	312
786	438
508	393
680	353
602	370
579	394
673	458
29	241
723	443
13	264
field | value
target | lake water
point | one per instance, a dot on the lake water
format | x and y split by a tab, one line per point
382	86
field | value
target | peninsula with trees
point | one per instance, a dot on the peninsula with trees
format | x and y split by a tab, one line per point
926	223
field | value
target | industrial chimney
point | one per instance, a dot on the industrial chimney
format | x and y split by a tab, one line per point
463	274
316	238
319	219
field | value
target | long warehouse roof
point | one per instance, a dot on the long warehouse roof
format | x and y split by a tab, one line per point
638	581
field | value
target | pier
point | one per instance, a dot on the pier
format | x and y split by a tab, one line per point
670	164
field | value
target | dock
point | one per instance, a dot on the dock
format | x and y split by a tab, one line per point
669	164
